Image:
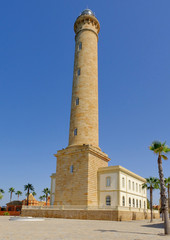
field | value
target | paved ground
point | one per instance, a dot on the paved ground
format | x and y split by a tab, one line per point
71	229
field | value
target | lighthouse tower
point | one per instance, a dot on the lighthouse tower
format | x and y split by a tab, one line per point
77	165
84	107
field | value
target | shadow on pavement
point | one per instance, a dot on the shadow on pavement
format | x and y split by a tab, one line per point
102	230
154	225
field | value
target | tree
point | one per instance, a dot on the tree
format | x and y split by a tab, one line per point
148	204
167	184
29	187
11	190
46	191
34	193
1	196
160	149
1	191
18	193
42	198
151	184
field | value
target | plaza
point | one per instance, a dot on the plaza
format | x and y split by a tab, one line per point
71	229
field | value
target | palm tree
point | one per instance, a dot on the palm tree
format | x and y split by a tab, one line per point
34	193
42	198
1	196
46	191
160	148
167	184
1	191
151	184
29	187
19	193
11	190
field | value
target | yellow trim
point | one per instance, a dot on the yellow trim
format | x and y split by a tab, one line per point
109	190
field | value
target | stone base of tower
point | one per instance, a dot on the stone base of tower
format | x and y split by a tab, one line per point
117	214
76	175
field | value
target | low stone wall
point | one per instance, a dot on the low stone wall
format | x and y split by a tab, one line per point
109	215
11	213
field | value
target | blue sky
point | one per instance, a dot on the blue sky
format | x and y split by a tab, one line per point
36	70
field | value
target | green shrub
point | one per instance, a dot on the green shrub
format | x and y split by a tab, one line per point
6	213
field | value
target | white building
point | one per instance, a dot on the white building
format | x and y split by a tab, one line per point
118	186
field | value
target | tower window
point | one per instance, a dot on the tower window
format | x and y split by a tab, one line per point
71	169
77	101
78	72
108	182
75	132
80	46
108	201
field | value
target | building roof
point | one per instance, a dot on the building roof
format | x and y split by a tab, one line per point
121	169
31	198
14	203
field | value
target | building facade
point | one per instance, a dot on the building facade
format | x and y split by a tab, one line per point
118	186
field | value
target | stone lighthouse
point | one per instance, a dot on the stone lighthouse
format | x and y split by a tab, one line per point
84	107
77	164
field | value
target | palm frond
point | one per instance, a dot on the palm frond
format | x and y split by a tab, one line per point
164	157
166	149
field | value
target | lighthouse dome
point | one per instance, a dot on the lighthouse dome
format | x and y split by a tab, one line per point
87	12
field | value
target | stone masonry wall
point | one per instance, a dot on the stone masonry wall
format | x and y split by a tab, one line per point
79	187
109	215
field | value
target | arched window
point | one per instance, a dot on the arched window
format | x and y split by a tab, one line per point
75	132
137	203
144	205
78	72
133	186
71	168
77	101
133	202
129	202
140	204
108	200
123	201
80	46
129	184
108	182
123	182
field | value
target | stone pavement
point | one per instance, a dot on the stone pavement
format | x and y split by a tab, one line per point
71	229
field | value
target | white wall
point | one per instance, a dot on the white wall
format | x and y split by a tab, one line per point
117	193
135	181
114	198
114	181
